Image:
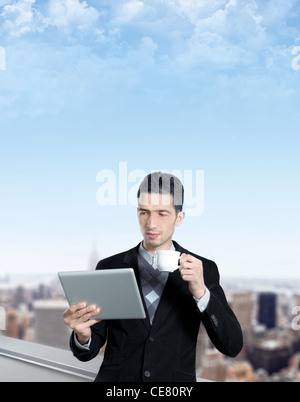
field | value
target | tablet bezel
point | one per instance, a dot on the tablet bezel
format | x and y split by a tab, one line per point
115	291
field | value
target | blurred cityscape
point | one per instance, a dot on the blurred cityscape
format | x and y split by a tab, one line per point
271	353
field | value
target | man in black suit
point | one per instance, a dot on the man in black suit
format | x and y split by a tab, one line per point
162	347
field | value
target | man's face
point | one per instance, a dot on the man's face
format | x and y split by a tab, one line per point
157	219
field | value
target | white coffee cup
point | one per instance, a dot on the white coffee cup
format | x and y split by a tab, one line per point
167	260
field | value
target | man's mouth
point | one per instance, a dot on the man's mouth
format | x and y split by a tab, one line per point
152	235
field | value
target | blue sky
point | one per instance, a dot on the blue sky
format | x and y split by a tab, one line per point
210	85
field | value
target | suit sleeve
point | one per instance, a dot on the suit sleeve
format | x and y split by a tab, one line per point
219	320
98	339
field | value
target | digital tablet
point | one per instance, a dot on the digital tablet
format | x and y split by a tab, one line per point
115	291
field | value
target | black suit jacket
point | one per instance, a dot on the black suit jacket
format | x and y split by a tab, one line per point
164	351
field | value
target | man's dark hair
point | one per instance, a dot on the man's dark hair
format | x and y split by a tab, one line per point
164	183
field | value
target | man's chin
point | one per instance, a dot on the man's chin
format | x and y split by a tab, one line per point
154	244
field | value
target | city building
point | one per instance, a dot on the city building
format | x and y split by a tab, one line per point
213	366
12	324
242	303
271	355
50	328
239	371
267	309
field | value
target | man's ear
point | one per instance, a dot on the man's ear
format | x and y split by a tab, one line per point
179	219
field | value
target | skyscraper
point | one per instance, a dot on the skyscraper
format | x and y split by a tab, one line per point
242	304
49	325
267	309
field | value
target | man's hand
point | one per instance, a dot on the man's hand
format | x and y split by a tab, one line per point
78	318
191	270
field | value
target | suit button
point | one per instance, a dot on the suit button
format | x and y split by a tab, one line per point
147	374
151	339
214	320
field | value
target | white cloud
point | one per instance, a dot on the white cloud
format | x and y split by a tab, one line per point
70	17
193	32
224	33
170	35
72	14
21	17
144	55
129	10
193	9
208	48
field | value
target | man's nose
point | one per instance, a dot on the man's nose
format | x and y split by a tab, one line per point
151	223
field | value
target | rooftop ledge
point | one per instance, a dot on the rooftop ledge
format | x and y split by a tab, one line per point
22	361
